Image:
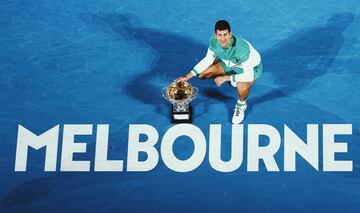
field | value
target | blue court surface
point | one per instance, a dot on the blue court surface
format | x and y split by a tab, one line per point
105	62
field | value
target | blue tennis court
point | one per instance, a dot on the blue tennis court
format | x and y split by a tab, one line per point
106	62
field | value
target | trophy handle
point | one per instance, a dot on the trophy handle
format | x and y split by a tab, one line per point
195	93
164	94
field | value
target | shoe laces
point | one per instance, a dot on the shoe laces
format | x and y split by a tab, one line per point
239	108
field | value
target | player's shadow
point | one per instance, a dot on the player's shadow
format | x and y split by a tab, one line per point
299	59
306	55
293	63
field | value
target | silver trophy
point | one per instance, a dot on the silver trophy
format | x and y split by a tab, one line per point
180	94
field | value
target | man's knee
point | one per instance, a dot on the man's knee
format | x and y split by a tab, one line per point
203	76
212	71
207	73
244	86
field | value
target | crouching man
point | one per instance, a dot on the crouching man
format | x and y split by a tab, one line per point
229	58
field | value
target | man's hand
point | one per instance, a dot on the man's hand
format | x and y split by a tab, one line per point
181	79
184	78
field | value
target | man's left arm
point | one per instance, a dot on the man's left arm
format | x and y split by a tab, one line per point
200	67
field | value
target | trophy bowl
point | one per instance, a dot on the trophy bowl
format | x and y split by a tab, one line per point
180	95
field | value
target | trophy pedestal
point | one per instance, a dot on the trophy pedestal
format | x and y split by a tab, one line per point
181	116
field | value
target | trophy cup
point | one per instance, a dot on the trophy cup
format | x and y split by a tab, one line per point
180	94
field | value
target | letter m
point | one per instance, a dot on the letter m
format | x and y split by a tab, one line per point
26	139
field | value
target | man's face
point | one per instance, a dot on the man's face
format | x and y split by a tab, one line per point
223	37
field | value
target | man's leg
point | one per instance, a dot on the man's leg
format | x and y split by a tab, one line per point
243	91
243	83
212	71
219	80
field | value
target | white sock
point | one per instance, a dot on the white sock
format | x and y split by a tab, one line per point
240	102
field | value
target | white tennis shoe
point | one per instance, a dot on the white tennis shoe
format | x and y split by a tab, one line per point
239	113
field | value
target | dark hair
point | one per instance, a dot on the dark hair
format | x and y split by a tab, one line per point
222	25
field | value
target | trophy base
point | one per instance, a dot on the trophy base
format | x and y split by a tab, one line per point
181	117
